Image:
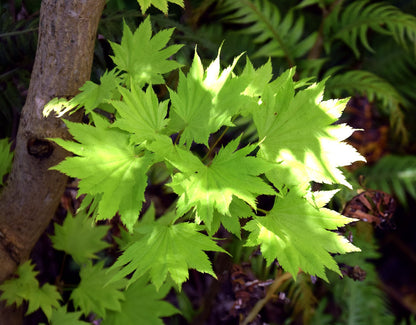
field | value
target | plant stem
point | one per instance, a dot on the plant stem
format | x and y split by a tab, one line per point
316	50
215	144
279	280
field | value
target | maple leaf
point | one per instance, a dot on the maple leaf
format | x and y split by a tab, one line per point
79	237
205	100
143	57
94	295
256	79
162	5
26	287
299	134
165	249
61	316
6	158
229	174
298	235
93	95
238	209
178	156
143	304
109	168
140	113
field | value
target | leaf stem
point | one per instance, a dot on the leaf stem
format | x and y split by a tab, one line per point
262	210
178	136
278	281
290	60
215	143
316	50
58	281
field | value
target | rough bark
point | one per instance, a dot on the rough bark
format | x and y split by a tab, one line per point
67	32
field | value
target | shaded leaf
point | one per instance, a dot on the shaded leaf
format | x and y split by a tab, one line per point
143	57
166	249
79	237
94	294
6	158
26	287
61	316
143	304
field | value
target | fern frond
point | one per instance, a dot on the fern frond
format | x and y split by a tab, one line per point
362	302
320	317
394	64
302	297
351	24
279	36
365	83
18	41
111	23
374	88
393	174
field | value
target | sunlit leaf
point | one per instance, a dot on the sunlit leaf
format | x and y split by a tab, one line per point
162	5
231	173
205	100
299	134
109	167
141	114
299	236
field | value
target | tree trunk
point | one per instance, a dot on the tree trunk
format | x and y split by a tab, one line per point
67	33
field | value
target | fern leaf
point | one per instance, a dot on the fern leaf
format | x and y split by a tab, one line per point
393	174
351	24
375	88
301	295
365	83
395	65
279	36
362	302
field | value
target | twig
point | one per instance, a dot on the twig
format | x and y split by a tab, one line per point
316	50
269	295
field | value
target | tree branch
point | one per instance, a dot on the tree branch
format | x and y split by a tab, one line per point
67	33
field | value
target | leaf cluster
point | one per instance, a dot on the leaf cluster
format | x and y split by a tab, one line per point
112	303
216	175
347	46
297	144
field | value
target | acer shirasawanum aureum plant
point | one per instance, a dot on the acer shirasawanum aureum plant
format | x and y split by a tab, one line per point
131	133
